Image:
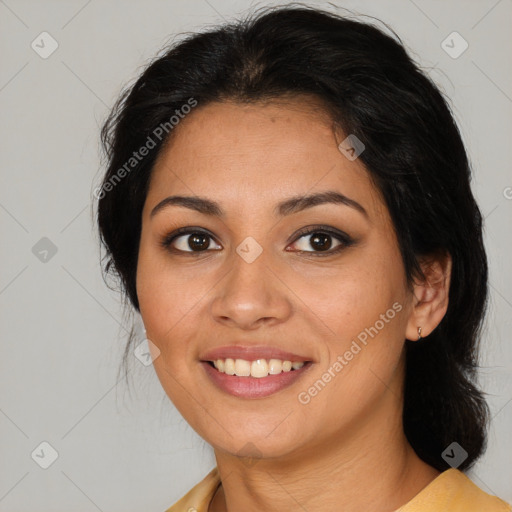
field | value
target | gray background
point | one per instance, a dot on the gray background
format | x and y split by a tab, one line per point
63	330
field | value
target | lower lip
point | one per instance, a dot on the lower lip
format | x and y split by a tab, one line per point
253	387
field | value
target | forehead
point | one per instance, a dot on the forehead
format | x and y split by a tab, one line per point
244	152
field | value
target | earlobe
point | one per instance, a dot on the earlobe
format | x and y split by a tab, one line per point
431	294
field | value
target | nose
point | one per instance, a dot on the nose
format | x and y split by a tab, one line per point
251	295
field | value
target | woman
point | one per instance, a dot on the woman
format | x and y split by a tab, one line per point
287	205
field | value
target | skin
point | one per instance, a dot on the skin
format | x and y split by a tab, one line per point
345	449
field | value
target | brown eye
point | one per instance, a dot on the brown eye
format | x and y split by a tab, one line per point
198	241
320	241
190	241
317	241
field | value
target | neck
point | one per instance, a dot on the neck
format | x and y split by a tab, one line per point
367	468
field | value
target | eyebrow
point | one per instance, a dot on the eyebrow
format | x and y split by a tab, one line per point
287	207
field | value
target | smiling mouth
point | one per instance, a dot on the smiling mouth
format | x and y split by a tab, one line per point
258	368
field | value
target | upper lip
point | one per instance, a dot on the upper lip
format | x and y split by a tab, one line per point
251	353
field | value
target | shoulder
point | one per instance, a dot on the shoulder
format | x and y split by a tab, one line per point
453	491
199	497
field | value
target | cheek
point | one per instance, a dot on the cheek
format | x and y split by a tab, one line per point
174	301
164	302
351	295
363	302
167	304
166	307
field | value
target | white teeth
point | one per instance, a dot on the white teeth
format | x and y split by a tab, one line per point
242	368
229	367
275	366
258	368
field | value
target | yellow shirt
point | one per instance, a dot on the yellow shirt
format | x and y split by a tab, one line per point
451	491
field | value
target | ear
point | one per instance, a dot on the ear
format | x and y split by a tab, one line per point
430	300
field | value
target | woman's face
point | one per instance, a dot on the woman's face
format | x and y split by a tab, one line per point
264	278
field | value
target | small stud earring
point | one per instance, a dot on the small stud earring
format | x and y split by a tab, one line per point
419	334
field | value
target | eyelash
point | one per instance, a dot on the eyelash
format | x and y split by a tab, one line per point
344	239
